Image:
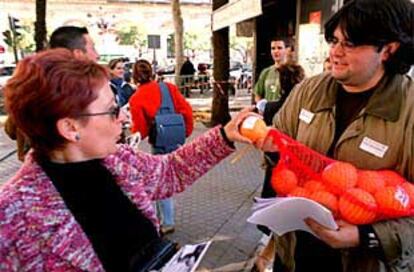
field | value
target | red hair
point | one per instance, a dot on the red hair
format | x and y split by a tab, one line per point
49	86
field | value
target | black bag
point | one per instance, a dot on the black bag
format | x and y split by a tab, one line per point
154	256
169	126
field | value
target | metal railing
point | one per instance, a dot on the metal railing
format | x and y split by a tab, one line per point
204	83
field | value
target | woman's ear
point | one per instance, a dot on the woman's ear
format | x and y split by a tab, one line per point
389	49
68	129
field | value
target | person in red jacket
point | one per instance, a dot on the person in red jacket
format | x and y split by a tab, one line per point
144	105
146	100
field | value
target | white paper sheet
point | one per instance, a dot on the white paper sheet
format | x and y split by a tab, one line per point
285	214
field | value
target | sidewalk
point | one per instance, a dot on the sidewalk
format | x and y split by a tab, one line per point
203	102
214	208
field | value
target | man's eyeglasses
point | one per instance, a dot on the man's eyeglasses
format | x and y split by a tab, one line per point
115	111
347	46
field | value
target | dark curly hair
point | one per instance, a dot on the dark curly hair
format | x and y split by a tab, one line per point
290	74
377	23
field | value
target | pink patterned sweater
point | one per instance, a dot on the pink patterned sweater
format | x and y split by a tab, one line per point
38	232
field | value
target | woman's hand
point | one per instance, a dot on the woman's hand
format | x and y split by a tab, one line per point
232	128
345	236
233	134
266	144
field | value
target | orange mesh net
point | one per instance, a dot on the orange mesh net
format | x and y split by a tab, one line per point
355	195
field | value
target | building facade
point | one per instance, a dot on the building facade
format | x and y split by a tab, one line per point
102	17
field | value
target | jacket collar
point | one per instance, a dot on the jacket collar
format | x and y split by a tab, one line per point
384	103
64	236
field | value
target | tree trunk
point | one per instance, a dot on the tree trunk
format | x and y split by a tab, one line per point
40	25
220	107
178	39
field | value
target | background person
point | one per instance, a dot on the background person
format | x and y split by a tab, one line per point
203	77
187	76
80	201
267	86
76	39
365	96
144	105
290	74
121	89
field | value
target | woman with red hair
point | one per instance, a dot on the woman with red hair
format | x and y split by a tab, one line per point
80	202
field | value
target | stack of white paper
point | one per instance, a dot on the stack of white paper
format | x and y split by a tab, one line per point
285	214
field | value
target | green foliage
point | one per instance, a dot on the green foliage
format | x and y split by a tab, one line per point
132	35
7	38
237	43
195	41
241	45
189	40
26	40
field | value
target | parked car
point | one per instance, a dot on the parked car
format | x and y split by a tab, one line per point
241	75
6	71
166	70
235	65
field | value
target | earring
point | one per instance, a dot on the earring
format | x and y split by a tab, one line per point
77	137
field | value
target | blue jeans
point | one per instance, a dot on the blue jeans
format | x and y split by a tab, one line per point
165	211
165	207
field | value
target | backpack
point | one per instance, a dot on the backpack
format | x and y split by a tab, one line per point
169	126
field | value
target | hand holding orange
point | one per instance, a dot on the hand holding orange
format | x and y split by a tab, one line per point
254	128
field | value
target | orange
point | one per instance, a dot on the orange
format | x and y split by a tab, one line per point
253	128
299	191
327	199
283	181
357	207
314	186
392	201
391	178
370	181
339	176
409	188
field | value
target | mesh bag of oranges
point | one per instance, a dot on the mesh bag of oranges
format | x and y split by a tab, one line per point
355	195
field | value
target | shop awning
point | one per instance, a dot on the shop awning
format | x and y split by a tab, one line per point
234	12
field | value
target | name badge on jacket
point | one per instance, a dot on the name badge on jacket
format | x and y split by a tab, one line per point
306	116
373	147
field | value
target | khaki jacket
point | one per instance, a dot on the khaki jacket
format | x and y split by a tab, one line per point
387	122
